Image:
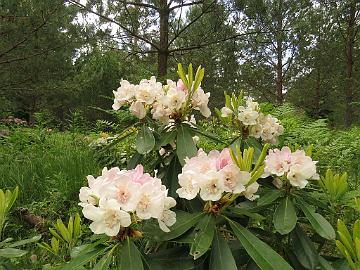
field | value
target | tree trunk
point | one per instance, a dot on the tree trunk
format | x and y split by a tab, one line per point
349	65
279	54
163	52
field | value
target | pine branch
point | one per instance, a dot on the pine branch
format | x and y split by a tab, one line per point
191	22
139	4
132	33
216	41
14	46
186	5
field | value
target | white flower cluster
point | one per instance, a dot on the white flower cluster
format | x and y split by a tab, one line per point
296	167
165	102
213	174
266	127
118	197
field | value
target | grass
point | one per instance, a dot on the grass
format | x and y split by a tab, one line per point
48	167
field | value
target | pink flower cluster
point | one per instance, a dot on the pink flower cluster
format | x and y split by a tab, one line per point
211	175
296	166
118	197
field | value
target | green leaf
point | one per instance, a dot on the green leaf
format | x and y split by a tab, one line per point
167	137
356	229
263	255
84	257
185	146
54	233
184	221
77	226
346	238
240	212
105	261
341	265
12	252
285	216
176	258
13	196
221	256
182	75
304	249
55	245
190	74
204	234
70	227
145	140
129	257
134	161
25	241
171	176
324	264
269	197
317	221
198	77
63	230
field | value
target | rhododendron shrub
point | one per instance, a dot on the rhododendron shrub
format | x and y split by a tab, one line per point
246	201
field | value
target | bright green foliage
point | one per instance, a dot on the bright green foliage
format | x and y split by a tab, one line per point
8	249
244	160
335	185
7	200
349	244
64	237
46	164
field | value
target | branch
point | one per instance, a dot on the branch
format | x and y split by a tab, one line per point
31	55
139	4
186	4
15	83
28	35
216	41
115	22
191	23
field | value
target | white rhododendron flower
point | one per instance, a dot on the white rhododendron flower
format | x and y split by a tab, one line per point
189	187
296	166
251	190
167	102
125	93
211	185
168	217
258	125
234	179
210	175
117	197
225	112
247	116
138	109
107	218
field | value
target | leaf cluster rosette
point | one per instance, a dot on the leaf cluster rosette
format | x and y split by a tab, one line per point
119	198
245	113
